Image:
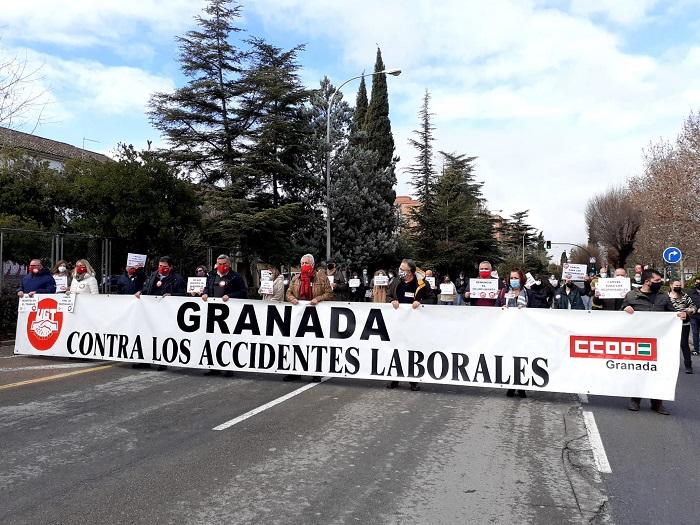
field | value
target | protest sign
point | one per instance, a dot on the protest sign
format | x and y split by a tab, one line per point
135	260
612	287
575	272
196	284
61	282
483	288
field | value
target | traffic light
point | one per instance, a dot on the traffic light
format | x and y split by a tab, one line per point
548	245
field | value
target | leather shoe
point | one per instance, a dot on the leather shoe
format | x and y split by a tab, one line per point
393	384
633	405
522	394
510	393
688	369
415	387
316	379
291	378
659	408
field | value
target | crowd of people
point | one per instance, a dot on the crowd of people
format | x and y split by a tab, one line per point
409	286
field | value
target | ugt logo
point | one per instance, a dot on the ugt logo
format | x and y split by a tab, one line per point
44	325
633	348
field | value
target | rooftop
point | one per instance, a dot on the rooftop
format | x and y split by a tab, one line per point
43	147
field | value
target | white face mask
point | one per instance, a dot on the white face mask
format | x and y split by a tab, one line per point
61	269
603	275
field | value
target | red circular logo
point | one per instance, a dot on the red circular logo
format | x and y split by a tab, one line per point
44	325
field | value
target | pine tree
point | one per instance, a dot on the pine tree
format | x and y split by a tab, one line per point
199	120
423	170
377	123
360	115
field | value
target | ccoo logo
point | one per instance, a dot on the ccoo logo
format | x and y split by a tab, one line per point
44	325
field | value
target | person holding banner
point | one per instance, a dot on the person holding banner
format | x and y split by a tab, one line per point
515	295
485	272
131	281
568	297
37	280
84	280
223	282
683	303
648	299
407	288
163	281
62	275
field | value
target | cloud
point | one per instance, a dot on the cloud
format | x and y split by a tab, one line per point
623	12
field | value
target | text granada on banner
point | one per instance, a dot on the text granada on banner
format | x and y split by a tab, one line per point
606	353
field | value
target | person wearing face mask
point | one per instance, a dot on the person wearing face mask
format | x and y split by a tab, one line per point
379	290
637	279
540	294
694	295
683	303
37	280
224	283
164	281
84	280
277	294
356	294
61	270
485	271
449	287
408	288
568	297
131	281
611	305
648	299
515	295
460	287
336	277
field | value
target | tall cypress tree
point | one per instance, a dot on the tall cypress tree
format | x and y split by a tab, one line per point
423	170
360	114
199	120
377	123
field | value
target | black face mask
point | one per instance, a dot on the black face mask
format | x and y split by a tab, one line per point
697	285
331	266
655	287
677	289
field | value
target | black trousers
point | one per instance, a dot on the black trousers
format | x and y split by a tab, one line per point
685	345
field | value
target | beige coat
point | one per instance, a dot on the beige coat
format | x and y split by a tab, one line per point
321	289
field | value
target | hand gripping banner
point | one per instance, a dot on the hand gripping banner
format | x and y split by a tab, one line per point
605	353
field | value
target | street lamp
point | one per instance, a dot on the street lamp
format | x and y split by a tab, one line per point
392	72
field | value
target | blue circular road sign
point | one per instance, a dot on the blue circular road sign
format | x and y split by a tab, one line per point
672	255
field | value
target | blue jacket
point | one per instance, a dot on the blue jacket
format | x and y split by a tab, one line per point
42	282
127	285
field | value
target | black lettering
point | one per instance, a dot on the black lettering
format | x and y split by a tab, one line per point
206	353
459	367
499	371
169	350
319	356
415	358
352	358
375	359
335	360
444	365
123	341
235	354
220	351
375	314
396	364
192	323
282	357
519	371
540	371
310	323
100	346
349	315
300	357
482	369
267	356
137	348
273	318
184	357
247	321
69	343
217	314
82	348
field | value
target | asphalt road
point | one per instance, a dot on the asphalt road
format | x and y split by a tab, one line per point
113	444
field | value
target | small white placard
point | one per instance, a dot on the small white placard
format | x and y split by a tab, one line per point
66	303
266	287
28	304
575	272
266	275
368	293
530	280
447	289
483	288
135	259
61	282
431	281
381	280
612	288
331	278
196	284
354	283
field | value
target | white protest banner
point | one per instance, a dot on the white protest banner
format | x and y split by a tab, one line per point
196	284
431	281
61	282
612	288
354	283
27	304
483	288
381	280
135	259
609	353
447	288
266	287
331	278
266	275
575	272
66	303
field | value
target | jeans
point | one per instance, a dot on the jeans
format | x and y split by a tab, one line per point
685	347
695	327
460	299
586	301
446	302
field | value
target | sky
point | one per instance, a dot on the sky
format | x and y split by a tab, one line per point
557	99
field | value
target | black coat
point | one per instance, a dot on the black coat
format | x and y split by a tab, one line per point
231	284
172	284
694	295
129	285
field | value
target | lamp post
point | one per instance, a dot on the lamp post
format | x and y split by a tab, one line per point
392	72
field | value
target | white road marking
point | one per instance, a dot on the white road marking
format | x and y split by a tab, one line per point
261	408
47	367
583	398
599	456
9	356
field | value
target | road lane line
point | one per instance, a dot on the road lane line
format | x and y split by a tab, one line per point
48	367
261	408
57	376
599	456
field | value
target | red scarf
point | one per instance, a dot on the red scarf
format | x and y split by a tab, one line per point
307	273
